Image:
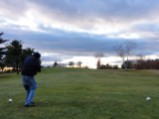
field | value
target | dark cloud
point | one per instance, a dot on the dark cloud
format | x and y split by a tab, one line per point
74	43
70	42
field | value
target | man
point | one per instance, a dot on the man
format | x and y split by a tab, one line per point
30	68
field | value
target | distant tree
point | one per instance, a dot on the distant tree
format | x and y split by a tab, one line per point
140	57
55	64
129	46
115	67
99	55
71	64
147	64
98	64
2	52
79	63
108	66
124	51
121	52
128	64
2	64
14	54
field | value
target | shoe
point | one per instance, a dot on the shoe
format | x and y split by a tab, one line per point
29	105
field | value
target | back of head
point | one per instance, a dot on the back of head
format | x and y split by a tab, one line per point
36	55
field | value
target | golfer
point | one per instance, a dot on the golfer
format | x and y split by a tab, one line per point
30	68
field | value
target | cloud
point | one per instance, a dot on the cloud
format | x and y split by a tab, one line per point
83	14
77	43
147	30
61	41
81	27
13	9
86	8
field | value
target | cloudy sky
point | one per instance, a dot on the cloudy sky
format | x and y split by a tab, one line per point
74	30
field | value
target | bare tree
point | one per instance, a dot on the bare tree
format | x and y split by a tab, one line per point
79	63
140	57
99	55
129	46
124	51
121	52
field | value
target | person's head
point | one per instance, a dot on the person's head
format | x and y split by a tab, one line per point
36	55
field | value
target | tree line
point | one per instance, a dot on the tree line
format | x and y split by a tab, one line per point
124	51
12	54
143	64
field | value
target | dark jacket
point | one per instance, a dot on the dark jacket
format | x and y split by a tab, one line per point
31	66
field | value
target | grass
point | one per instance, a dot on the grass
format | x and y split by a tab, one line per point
83	94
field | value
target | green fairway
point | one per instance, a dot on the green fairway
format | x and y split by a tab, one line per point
83	94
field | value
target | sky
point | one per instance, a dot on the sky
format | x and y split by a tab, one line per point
75	30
